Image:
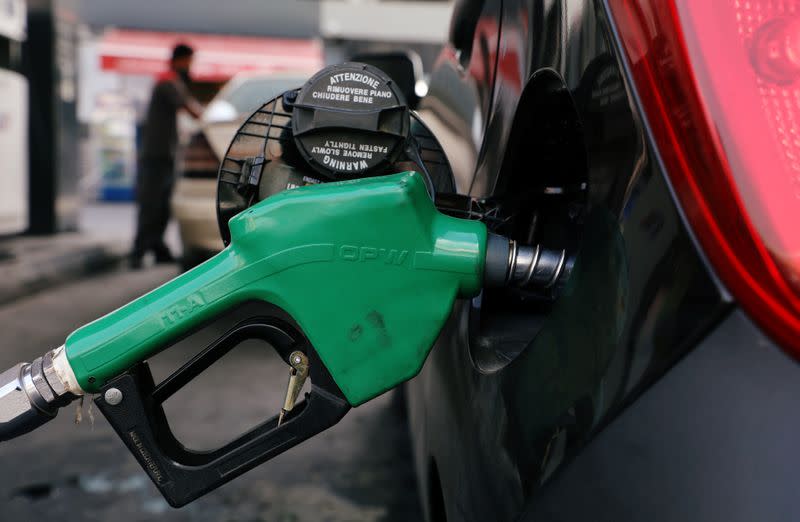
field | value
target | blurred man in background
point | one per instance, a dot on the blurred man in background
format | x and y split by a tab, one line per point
156	176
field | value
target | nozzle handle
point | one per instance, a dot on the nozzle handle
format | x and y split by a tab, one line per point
132	403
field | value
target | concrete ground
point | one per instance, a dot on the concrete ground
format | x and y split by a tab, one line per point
359	470
105	232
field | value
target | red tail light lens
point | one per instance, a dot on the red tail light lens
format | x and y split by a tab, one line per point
719	82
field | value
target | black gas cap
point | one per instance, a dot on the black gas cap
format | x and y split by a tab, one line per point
350	121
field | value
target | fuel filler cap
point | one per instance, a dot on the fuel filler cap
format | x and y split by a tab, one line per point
350	120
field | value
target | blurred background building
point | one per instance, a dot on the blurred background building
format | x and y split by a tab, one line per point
349	28
125	45
75	77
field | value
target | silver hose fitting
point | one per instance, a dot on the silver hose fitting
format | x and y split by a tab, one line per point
532	267
30	395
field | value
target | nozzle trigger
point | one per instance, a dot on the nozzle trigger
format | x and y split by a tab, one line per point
297	378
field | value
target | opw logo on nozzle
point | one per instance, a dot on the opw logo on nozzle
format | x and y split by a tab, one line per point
390	256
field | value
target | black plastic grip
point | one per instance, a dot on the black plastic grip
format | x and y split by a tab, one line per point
181	474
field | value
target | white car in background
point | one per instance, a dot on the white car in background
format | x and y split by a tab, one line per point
194	200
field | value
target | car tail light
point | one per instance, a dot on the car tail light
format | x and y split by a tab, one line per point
199	160
719	83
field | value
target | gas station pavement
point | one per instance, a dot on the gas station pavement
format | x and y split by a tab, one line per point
358	470
104	236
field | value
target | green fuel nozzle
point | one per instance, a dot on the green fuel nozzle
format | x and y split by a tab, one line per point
367	269
362	274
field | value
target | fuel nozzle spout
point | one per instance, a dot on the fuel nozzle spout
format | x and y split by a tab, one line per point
530	267
31	394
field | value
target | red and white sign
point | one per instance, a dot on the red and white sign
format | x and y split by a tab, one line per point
217	57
